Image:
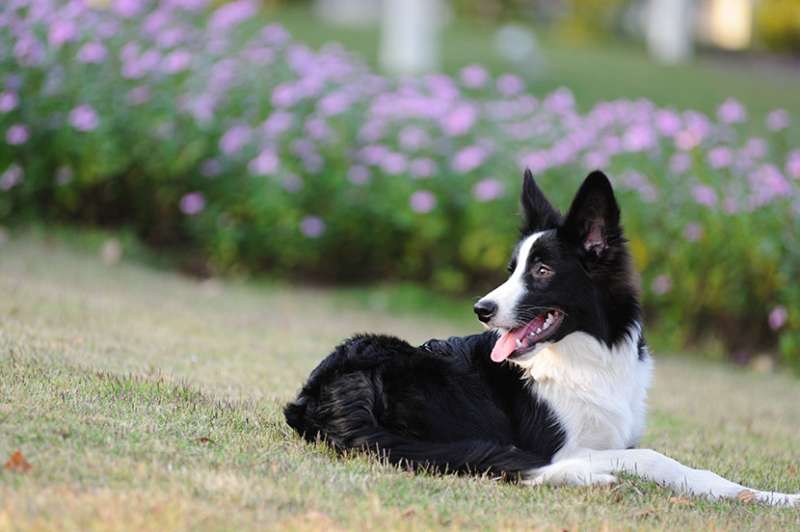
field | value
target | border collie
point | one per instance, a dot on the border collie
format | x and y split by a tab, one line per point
554	393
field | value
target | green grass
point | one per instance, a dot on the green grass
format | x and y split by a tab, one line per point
594	71
144	400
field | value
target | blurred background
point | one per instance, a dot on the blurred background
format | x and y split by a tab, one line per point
355	142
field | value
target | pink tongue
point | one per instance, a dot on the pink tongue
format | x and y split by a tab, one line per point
506	344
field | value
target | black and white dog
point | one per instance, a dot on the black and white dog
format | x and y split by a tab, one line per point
553	394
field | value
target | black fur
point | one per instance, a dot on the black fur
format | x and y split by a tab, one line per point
445	405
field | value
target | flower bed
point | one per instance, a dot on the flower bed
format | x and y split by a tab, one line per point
187	122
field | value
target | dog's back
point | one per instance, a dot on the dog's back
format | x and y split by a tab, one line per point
430	406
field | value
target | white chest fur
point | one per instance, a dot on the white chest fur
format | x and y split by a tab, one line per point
598	394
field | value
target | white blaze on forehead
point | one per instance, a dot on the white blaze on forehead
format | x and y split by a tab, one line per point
507	295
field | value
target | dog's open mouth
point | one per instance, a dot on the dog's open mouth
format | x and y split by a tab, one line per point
518	341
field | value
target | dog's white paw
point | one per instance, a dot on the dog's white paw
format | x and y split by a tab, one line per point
574	472
776	499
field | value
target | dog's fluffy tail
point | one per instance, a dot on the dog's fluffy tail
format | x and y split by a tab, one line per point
465	456
345	413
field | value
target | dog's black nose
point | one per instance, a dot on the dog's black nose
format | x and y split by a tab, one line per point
485	310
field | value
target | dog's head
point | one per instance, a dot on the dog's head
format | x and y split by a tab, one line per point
568	273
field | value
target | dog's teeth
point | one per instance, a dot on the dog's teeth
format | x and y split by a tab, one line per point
538	330
519	342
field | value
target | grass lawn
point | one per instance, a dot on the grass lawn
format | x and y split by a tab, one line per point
143	400
594	72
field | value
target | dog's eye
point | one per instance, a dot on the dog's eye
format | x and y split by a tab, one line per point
542	270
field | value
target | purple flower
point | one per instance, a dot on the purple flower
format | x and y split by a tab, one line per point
704	195
413	138
394	163
731	112
170	37
84	118
687	139
777	120
17	134
29	51
231	14
266	163
128	8
560	101
509	85
778	317
469	158
474	76
61	31
661	285
460	120
176	61
138	67
334	103
192	203
641	184
668	122
285	95
422	168
373	153
756	147
277	123
92	52
312	226
235	139
638	137
595	159
8	101
358	174
11	177
767	183
680	163
720	157
422	201
537	161
317	129
488	189
793	164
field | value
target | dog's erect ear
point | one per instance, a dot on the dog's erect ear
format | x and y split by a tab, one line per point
537	213
593	218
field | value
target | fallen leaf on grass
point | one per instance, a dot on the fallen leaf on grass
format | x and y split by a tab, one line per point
17	463
645	513
204	439
745	496
408	513
792	470
680	501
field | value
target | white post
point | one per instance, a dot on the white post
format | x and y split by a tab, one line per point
669	30
409	35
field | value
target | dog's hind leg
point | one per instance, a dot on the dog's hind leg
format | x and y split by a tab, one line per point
653	466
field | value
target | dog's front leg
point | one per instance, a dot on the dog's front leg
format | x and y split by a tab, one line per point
653	466
570	472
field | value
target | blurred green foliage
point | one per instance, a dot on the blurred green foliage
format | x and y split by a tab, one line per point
337	192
